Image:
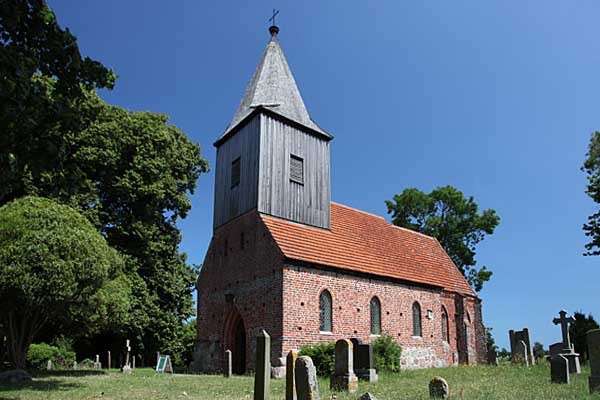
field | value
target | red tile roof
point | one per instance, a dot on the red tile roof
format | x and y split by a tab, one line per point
363	242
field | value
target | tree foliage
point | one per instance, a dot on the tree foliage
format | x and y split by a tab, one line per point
54	265
490	341
452	219
591	167
578	332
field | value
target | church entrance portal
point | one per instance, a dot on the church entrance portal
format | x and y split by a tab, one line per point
239	348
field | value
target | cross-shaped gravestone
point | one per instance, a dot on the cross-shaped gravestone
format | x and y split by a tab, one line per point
564	322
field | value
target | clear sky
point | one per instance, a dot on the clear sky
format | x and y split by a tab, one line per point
496	98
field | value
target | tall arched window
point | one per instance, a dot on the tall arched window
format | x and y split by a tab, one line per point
416	308
445	331
375	316
325	311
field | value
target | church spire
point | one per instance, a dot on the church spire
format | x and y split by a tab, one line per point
273	87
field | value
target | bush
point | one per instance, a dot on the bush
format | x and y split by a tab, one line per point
322	355
39	354
386	354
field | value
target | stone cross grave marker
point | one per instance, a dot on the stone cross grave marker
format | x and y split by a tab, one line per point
564	322
307	385
290	375
568	350
228	369
262	377
593	342
344	379
127	367
559	369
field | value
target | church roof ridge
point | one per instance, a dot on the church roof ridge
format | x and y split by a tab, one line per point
273	87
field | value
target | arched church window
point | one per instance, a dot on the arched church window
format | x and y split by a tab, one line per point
375	316
445	331
325	307
416	311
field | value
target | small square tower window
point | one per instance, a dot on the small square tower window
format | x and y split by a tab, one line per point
235	172
296	169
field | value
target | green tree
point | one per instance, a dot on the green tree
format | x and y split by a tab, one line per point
55	265
591	167
491	342
452	219
34	49
578	331
538	350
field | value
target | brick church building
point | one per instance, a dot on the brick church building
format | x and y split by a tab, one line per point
285	258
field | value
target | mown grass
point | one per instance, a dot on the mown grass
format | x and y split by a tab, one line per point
503	382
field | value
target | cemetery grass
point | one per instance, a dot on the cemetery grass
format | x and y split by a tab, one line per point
502	382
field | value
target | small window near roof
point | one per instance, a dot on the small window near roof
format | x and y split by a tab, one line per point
235	172
296	169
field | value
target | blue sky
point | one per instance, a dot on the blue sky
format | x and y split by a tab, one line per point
496	98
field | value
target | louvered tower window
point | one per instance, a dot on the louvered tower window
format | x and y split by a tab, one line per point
296	169
445	332
375	316
416	308
235	172
325	307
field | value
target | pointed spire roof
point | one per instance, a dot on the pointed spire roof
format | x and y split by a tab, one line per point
273	87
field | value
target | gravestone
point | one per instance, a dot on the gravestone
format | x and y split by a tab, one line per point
108	359
438	388
492	357
290	375
363	362
520	355
559	369
593	342
344	379
133	362
75	366
307	385
15	376
262	377
97	364
127	368
228	369
555	349
568	351
367	396
49	365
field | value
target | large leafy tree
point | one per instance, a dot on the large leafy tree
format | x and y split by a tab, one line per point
55	265
453	219
578	332
591	167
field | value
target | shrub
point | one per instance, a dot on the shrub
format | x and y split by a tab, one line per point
322	355
386	354
39	354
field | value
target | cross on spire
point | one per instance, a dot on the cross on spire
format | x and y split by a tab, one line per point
564	322
272	19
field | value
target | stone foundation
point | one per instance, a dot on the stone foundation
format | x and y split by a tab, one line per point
415	358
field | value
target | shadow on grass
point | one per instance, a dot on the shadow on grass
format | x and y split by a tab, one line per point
38	385
59	373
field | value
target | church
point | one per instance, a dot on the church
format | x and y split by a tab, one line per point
287	259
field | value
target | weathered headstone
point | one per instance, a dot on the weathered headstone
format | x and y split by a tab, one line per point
521	354
108	359
49	365
262	377
438	388
133	362
593	342
290	375
228	367
75	366
363	362
492	357
97	364
568	351
555	349
344	379
559	369
307	385
367	396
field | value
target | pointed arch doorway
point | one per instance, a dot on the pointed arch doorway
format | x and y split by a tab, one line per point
235	340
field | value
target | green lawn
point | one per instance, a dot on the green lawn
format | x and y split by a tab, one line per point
503	382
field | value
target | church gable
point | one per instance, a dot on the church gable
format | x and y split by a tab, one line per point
365	243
